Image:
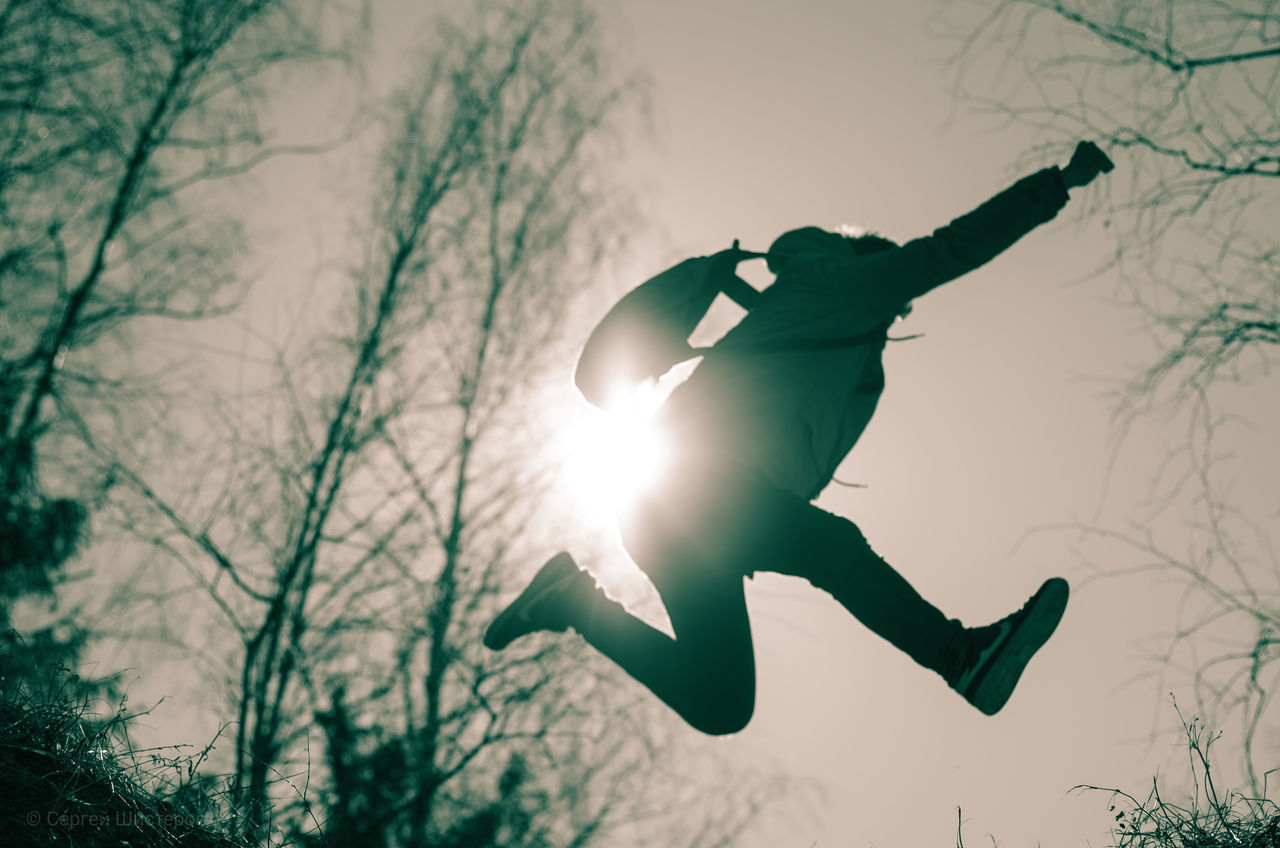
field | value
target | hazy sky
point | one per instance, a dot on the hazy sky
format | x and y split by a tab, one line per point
770	116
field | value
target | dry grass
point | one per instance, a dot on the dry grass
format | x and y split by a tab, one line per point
1209	818
68	776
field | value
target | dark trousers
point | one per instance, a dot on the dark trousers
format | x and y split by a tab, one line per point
696	540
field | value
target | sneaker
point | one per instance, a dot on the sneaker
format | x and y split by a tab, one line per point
999	652
545	603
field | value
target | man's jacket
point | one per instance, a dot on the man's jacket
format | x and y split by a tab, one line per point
795	415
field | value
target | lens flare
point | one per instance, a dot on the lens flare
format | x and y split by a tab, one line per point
615	456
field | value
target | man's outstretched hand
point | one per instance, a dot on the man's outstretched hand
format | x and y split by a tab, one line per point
1086	163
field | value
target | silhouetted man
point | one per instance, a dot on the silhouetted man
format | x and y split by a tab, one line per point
757	437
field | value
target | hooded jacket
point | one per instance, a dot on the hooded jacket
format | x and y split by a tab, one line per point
794	415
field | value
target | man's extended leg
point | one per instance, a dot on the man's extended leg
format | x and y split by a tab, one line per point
983	664
830	552
772	530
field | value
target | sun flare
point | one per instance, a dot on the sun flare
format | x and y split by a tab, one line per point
615	456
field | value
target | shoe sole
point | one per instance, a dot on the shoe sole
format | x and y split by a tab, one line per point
514	621
992	689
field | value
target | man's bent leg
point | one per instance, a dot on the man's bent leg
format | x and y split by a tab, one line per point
707	673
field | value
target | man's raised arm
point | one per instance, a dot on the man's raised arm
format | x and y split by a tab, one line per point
972	240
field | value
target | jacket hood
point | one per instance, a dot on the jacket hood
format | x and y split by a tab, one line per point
805	245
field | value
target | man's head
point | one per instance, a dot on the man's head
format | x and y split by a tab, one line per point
865	242
793	251
868	243
796	247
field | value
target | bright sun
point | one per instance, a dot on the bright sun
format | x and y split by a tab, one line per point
614	456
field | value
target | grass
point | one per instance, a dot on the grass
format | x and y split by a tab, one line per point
69	776
1209	818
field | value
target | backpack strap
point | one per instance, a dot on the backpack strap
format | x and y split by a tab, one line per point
740	291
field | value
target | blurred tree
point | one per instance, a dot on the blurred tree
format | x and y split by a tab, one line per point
112	116
358	519
1186	95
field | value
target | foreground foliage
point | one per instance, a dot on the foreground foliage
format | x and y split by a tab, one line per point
1206	819
69	776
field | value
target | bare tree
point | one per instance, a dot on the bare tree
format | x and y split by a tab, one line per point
1188	94
113	116
358	519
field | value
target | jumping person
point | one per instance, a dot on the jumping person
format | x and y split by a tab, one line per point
758	430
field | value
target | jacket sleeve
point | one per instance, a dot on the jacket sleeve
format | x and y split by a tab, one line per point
888	279
647	331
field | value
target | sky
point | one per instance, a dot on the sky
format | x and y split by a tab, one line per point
995	426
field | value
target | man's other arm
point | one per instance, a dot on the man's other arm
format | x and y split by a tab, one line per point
891	278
